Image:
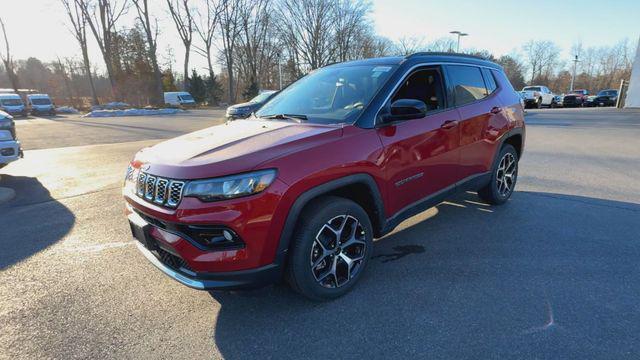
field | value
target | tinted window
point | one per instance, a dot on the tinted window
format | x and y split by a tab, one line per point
489	80
532	88
468	84
41	101
424	85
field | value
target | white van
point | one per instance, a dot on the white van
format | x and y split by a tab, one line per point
179	99
40	104
12	104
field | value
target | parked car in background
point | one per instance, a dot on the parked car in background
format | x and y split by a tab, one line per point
575	98
9	145
557	100
345	154
12	104
607	97
244	110
537	96
180	99
40	104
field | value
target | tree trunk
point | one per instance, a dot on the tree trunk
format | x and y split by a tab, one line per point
158	97
12	75
87	69
186	68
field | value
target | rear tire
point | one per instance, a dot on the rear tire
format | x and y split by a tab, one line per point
503	177
330	248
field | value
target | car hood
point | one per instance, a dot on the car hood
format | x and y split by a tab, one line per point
233	147
247	105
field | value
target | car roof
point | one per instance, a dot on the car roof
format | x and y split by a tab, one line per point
425	57
38	96
10	96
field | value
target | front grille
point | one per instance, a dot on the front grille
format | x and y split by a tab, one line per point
172	261
158	190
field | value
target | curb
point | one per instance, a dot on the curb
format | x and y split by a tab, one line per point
6	194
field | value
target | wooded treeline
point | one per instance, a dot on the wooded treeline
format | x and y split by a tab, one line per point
246	40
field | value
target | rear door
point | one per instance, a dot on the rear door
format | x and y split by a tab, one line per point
477	106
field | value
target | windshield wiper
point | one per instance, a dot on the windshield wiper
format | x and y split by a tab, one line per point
295	117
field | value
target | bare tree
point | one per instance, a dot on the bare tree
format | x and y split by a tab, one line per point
78	21
151	33
7	60
230	28
206	28
541	56
351	18
183	19
61	69
409	45
102	19
255	26
308	27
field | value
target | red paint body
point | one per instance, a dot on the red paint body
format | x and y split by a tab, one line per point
444	147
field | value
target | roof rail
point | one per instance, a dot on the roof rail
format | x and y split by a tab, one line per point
440	53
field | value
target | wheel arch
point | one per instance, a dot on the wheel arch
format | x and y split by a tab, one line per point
360	188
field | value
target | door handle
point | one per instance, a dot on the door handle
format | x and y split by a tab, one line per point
496	110
449	124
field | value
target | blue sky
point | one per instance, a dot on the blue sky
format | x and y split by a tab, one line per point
37	27
501	26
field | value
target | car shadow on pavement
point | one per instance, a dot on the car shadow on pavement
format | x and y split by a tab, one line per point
529	277
31	222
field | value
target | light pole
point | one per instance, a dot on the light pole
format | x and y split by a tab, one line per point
573	74
460	34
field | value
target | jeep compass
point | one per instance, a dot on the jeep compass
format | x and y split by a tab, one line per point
299	190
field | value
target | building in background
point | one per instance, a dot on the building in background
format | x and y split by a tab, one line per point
633	94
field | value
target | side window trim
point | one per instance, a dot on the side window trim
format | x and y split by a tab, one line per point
446	79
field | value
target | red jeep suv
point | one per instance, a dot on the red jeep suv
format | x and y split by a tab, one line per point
300	189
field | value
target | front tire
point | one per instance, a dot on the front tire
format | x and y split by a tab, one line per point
503	178
330	248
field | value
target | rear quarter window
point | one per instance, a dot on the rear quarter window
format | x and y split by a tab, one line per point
490	81
467	83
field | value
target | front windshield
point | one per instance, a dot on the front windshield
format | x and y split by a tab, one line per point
41	101
185	97
332	95
262	97
11	102
532	88
607	93
579	92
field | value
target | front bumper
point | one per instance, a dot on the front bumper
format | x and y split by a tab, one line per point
9	151
167	260
245	279
43	111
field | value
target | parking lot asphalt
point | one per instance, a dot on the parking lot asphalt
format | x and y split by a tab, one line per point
554	273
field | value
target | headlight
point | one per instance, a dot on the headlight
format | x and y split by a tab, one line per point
229	187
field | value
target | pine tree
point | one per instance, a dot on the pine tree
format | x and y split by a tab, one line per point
214	90
197	87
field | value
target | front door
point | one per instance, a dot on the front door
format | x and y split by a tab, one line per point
421	156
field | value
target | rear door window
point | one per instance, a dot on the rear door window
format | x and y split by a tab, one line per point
467	83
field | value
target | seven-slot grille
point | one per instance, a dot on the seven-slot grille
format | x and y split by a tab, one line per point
158	190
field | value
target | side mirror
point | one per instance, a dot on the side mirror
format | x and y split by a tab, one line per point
406	109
